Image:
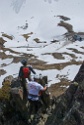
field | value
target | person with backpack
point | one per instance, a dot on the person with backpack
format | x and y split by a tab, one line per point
25	72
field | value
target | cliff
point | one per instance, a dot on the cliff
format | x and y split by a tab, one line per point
66	109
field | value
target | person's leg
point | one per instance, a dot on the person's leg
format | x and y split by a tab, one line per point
31	106
38	110
39	107
25	94
36	106
30	111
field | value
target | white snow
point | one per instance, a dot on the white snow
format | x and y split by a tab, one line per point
41	16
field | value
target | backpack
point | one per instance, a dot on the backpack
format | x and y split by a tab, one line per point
26	72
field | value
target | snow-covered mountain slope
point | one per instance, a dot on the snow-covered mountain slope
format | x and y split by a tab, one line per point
33	24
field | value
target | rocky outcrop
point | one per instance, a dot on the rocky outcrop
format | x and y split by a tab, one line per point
80	75
67	109
13	108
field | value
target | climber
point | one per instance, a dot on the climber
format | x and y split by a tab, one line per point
25	72
34	92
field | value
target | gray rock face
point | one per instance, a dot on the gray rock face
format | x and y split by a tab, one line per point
80	75
67	109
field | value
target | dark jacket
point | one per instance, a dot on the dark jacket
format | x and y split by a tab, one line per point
21	72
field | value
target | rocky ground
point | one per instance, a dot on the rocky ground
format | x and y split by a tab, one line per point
65	107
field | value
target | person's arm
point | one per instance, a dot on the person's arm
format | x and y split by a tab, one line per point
20	72
44	88
31	69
